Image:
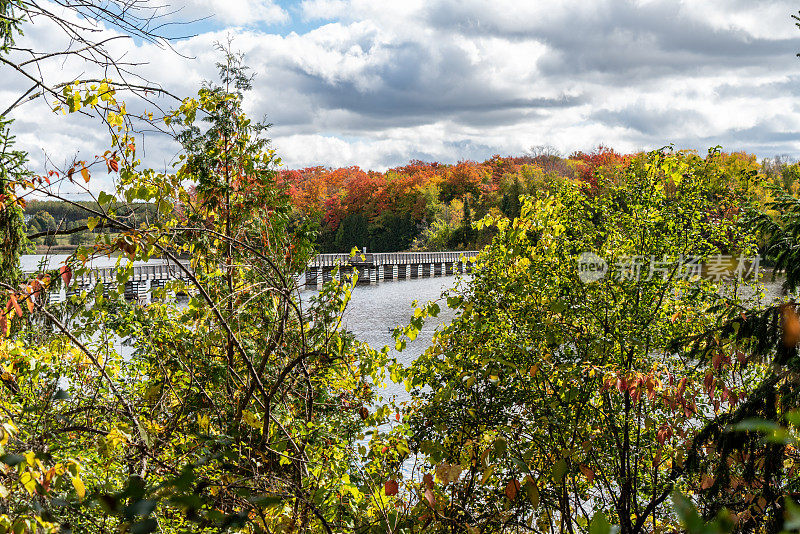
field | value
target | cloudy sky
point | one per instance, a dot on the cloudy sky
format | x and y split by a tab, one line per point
376	83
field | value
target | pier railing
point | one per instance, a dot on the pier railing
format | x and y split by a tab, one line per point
373	267
391	258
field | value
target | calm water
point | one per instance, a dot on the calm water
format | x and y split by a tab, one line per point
375	310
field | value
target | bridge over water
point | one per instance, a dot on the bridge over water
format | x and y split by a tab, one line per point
373	268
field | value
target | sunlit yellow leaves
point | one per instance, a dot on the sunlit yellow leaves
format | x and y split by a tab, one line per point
79	486
28	482
117	437
202	422
105	92
252	419
115	120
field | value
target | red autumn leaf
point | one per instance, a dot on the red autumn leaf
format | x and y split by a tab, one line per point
587	472
3	324
113	165
384	449
363	412
66	274
85	174
664	433
622	385
390	487
716	360
512	489
29	302
706	482
15	304
429	497
428	480
791	326
681	388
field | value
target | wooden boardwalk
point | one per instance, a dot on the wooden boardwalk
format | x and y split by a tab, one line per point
373	268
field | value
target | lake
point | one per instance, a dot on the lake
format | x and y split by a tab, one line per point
375	310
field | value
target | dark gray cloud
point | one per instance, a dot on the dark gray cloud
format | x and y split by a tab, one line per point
649	122
418	85
619	39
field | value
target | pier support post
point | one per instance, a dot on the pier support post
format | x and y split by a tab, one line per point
311	277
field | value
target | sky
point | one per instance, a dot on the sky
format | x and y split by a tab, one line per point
375	84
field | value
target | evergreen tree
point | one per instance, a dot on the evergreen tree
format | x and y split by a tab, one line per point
12	223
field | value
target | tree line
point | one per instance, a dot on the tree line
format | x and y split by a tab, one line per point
431	206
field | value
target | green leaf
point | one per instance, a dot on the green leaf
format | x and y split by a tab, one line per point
266	501
104	198
559	470
599	524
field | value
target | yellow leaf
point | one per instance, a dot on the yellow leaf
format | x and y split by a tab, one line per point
251	419
202	422
487	474
30	457
28	482
85	174
80	489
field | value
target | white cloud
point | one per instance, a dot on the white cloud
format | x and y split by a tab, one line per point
380	83
323	9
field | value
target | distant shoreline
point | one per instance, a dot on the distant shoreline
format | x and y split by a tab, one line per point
55	249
